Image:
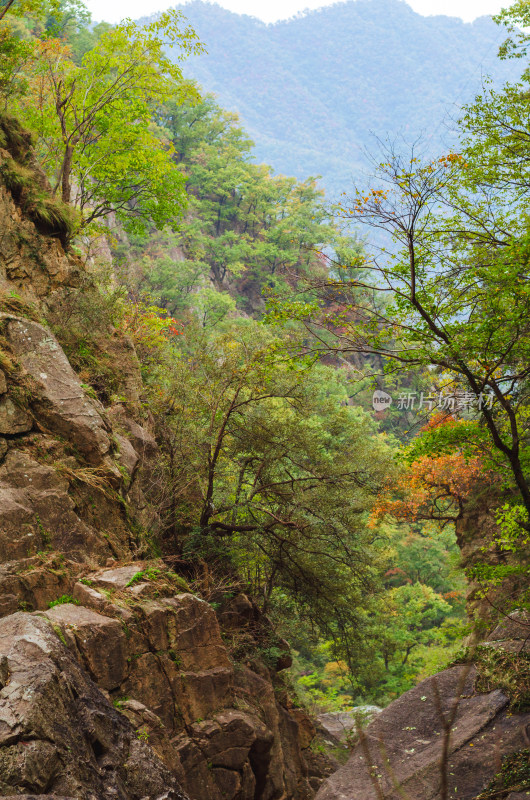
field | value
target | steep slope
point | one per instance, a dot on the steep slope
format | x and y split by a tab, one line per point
90	618
312	90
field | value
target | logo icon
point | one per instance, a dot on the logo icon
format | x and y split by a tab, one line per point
381	400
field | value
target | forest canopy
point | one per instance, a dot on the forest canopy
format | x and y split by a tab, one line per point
262	323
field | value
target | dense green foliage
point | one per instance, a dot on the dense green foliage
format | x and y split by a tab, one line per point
456	304
411	630
274	475
93	113
246	228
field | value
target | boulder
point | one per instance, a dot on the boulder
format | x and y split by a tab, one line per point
227	739
32	583
156	733
91	598
127	456
60	403
32	265
320	765
403	745
239	612
277	763
117	579
36	512
142	441
228	782
59	736
13	419
142	473
98	641
192	630
198	781
337	725
306	728
515	626
123	355
167	654
184	650
3	382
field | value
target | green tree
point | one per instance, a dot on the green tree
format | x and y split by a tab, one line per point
248	225
410	617
459	275
458	280
23	7
271	466
94	121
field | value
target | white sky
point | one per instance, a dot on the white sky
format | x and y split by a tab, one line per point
272	10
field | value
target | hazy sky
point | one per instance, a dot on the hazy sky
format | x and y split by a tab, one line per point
272	10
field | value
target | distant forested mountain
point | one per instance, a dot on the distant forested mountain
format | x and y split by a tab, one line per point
312	90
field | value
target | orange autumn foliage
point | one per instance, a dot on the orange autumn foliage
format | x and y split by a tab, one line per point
433	487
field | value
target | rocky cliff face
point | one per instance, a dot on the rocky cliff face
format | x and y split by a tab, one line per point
127	686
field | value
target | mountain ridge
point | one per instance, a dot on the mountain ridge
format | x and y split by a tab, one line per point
311	90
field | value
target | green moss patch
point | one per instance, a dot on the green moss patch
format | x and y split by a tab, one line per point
28	186
501	669
514	776
165	581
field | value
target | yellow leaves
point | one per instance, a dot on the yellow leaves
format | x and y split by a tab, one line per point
451	159
336	668
375	196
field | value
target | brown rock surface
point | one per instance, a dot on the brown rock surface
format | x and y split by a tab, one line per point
127	455
278	765
143	468
156	733
97	641
514	626
61	403
58	734
306	728
32	583
13	419
227	739
336	726
170	674
36	511
143	442
118	578
409	733
31	277
198	780
182	646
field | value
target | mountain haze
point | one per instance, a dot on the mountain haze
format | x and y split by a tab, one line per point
312	90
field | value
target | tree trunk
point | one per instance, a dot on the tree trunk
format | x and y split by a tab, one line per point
66	187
